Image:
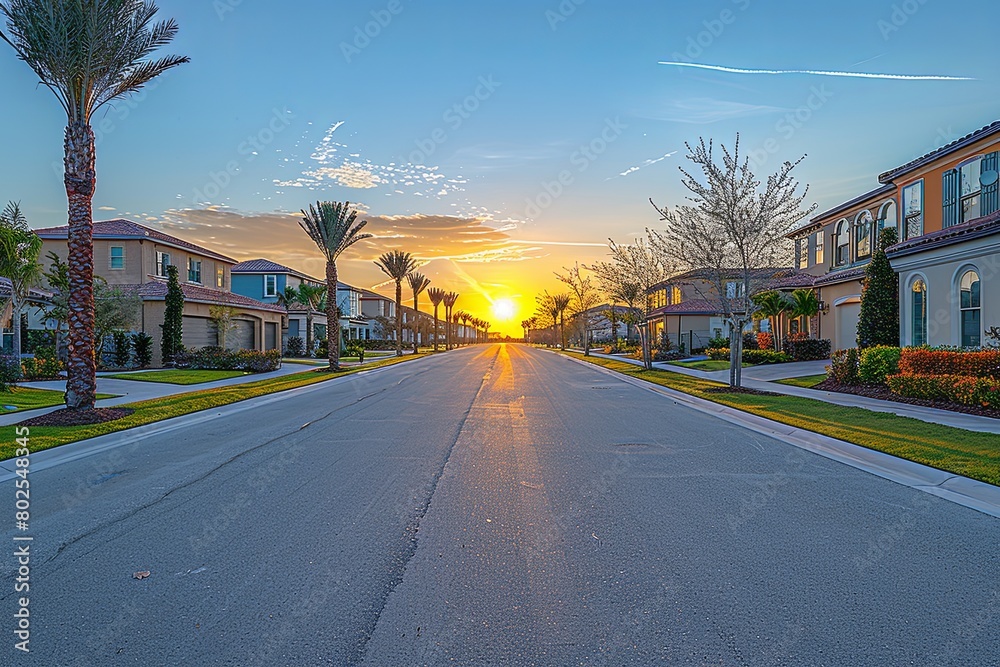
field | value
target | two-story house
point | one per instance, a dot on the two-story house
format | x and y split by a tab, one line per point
266	281
945	207
137	257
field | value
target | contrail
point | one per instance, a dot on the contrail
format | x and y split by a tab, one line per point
850	75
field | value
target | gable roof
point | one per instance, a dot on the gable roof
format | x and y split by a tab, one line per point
126	229
967	140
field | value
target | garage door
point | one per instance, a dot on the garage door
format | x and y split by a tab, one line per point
242	336
848	315
199	332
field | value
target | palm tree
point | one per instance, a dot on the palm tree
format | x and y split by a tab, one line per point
397	265
333	227
19	250
804	304
436	295
288	297
88	54
418	283
772	304
459	333
560	302
314	298
486	331
466	318
449	304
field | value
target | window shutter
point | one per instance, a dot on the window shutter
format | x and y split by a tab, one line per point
950	192
991	184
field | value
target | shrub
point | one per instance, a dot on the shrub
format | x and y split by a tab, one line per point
979	392
750	341
221	359
718	343
843	368
765	341
750	356
142	343
323	350
807	349
295	347
10	371
44	366
356	349
123	349
928	361
877	363
718	353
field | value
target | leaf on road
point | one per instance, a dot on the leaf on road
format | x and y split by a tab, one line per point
141	575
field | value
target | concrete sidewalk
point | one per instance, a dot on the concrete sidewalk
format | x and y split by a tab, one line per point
762	378
132	391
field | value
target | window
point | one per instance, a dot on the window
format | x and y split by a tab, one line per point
971	310
802	250
194	270
220	277
270	286
888	218
843	243
735	290
675	296
117	258
863	227
970	188
913	210
820	242
162	262
919	303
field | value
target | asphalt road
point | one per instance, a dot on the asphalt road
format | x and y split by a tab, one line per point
493	506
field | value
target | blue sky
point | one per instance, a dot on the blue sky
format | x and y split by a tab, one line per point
283	104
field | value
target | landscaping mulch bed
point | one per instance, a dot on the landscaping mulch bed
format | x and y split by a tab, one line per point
79	417
739	390
882	392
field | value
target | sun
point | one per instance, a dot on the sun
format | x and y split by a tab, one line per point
504	309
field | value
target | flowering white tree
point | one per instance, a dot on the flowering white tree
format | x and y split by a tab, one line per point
733	232
585	299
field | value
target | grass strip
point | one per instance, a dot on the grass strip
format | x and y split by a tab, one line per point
807	382
28	398
154	410
182	377
968	453
705	365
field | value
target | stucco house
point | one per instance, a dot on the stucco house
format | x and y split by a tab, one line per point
136	257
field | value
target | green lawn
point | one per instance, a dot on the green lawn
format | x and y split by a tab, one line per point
27	398
706	365
183	377
968	453
148	412
808	382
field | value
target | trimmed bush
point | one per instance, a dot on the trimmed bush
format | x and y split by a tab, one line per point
807	349
296	347
928	361
44	366
877	363
718	343
843	368
10	371
142	343
221	359
750	341
765	341
757	357
718	353
979	392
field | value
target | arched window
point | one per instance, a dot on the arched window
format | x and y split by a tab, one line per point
919	308
843	243
888	218
970	304
864	225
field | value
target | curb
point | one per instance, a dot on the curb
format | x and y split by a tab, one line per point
963	491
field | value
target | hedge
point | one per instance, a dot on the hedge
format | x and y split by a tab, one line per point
981	392
807	349
220	359
927	361
877	363
750	356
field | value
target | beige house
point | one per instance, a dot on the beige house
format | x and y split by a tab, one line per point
945	208
136	257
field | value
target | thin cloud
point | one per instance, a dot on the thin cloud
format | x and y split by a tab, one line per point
849	75
647	163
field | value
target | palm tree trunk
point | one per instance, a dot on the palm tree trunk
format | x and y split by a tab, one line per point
399	318
309	330
15	309
436	326
332	318
416	303
80	180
